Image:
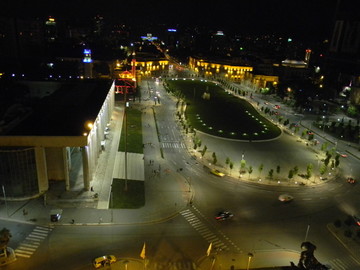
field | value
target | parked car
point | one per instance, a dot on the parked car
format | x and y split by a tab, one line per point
104	260
224	215
217	173
55	215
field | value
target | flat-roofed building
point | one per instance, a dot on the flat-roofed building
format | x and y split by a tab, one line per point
36	144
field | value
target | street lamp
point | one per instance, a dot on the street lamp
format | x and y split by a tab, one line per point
6	206
250	256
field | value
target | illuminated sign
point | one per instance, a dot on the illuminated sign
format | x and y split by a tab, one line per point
171	30
149	37
87	56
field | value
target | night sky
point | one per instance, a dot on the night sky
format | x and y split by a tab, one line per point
291	17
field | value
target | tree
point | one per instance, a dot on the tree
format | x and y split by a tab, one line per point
5	236
290	174
324	146
309	170
323	169
296	170
242	165
271	173
231	165
337	161
214	158
261	167
203	151
227	161
250	170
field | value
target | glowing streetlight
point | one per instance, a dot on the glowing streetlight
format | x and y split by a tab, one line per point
250	256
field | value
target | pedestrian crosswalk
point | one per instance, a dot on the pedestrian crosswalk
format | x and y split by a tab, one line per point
172	145
203	230
342	264
32	241
179	265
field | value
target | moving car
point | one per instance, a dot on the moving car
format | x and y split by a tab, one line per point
217	173
104	260
341	154
224	215
357	220
351	180
285	198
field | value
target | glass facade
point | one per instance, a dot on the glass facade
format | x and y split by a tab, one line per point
18	174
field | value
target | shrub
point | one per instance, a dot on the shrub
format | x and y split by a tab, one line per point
348	221
337	223
348	233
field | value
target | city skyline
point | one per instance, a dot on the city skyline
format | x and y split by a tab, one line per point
306	19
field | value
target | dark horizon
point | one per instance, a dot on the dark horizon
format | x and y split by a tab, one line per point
308	19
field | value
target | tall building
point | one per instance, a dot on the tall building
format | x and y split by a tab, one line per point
342	62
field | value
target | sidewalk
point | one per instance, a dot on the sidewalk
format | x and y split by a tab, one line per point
84	208
258	259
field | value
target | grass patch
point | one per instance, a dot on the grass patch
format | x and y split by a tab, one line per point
212	110
134	140
132	198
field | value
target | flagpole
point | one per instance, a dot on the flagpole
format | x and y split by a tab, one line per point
143	256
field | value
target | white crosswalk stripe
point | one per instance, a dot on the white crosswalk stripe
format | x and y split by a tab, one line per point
172	145
32	241
180	265
199	226
342	264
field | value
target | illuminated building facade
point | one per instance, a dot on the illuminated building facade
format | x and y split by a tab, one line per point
217	69
50	29
147	65
41	147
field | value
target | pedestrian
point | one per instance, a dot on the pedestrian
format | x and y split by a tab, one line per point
72	221
92	188
24	212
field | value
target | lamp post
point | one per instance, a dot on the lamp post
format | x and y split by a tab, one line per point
307	232
125	140
250	256
7	211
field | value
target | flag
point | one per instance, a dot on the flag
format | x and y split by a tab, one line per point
209	249
142	254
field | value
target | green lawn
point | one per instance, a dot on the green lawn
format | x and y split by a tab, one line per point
222	114
131	198
134	139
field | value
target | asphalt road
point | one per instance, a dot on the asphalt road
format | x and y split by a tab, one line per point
260	222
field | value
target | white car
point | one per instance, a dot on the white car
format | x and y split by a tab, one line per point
285	198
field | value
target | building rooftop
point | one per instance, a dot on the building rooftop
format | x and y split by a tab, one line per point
63	112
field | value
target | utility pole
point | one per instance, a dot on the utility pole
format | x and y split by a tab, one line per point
125	140
6	206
